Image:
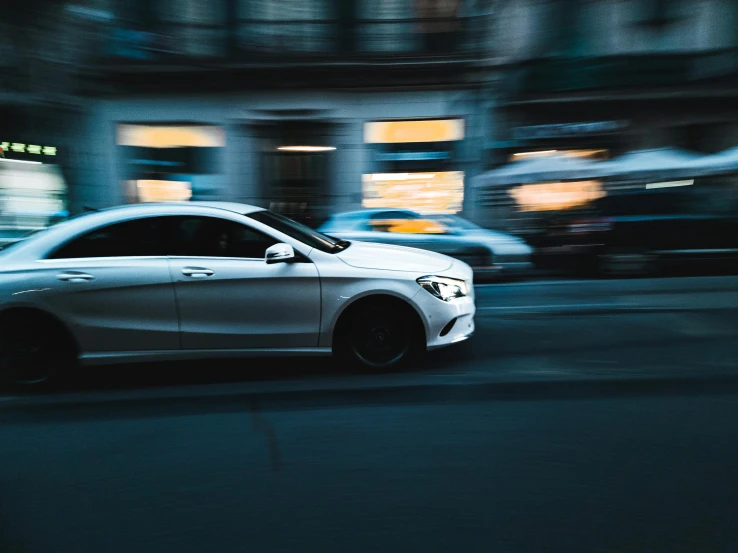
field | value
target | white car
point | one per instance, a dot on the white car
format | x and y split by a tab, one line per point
207	280
490	253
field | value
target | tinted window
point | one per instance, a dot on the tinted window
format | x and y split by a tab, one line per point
140	237
295	230
211	237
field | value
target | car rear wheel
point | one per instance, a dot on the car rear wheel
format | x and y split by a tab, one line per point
34	352
381	336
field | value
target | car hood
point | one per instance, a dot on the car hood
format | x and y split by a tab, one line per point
365	255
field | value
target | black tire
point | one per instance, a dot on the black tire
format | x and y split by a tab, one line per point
35	351
380	336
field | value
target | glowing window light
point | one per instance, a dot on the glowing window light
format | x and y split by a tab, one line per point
163	191
49	150
441	192
424	130
34	149
18	147
306	148
553	196
171	136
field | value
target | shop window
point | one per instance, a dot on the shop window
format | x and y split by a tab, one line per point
555	196
163	191
441	192
418	131
165	163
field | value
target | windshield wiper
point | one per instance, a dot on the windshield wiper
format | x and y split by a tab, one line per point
342	245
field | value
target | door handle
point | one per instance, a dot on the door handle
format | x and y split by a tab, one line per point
74	276
197	272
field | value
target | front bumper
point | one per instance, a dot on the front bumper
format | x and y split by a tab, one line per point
438	314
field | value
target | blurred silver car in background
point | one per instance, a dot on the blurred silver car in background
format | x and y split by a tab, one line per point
490	253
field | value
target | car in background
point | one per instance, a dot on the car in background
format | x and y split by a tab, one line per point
490	253
202	280
644	233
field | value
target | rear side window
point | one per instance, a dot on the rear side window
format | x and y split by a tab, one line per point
212	237
137	238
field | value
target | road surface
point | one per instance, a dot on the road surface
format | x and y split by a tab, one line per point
592	417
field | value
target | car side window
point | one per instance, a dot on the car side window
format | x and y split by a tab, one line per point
213	237
137	238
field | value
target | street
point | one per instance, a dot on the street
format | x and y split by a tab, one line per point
592	416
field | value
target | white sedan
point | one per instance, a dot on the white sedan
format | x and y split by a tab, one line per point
206	280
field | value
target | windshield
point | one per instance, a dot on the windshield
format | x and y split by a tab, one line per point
456	222
300	232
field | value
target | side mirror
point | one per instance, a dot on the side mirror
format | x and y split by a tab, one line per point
279	253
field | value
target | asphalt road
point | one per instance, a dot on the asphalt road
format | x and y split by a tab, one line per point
593	417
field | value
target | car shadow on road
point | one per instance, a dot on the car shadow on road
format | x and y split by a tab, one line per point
210	372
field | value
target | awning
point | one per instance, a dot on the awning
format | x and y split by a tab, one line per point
542	169
653	165
718	164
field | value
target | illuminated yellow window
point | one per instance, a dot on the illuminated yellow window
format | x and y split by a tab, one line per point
441	192
553	196
428	130
163	191
161	136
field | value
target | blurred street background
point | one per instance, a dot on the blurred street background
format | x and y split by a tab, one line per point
552	121
561	143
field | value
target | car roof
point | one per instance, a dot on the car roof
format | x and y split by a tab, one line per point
234	207
94	219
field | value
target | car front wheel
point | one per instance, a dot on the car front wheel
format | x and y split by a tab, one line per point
381	336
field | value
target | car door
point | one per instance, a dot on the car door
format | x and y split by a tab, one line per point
114	287
229	298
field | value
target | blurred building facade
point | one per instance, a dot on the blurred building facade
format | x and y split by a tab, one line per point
304	107
313	107
598	78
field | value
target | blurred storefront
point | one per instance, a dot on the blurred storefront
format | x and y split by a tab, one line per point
416	165
33	189
165	162
531	134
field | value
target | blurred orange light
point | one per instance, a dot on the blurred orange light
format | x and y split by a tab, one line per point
553	196
157	136
428	130
441	192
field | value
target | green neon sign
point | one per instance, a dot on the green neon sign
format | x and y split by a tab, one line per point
20	147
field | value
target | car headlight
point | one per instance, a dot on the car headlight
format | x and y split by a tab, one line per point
444	288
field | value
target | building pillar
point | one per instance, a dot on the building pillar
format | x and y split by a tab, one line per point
351	161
